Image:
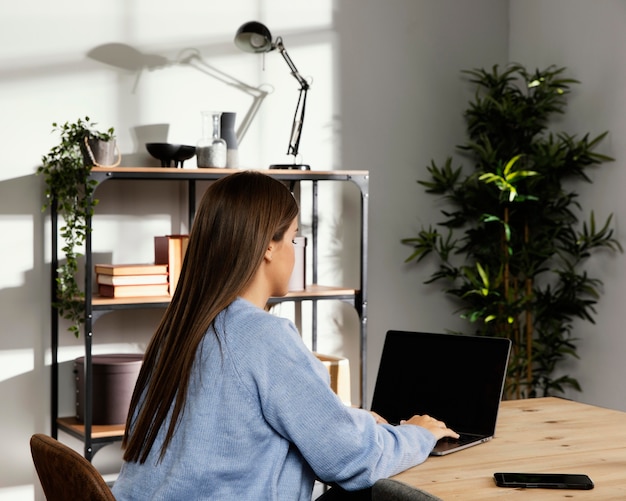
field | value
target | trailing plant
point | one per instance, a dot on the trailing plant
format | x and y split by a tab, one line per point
70	191
510	247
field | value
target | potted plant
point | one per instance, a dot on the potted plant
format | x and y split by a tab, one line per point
510	248
69	190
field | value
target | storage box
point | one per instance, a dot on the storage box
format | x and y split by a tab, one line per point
339	369
113	382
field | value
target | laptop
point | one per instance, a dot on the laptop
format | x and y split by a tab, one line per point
454	378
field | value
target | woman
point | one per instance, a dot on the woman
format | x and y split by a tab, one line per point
229	403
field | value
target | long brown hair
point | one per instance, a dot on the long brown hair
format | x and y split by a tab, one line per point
237	218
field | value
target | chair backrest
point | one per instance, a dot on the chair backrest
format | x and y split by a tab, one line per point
391	490
65	474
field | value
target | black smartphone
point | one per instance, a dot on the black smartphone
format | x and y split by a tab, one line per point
544	480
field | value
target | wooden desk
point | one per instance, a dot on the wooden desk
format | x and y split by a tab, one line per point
535	435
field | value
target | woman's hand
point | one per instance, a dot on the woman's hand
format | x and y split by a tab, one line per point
436	427
379	419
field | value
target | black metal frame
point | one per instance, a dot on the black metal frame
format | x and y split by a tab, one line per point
93	312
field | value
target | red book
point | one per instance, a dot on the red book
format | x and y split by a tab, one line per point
131	279
125	291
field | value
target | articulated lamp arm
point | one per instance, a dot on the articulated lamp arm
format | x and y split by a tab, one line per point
298	117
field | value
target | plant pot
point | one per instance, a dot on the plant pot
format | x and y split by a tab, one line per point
99	153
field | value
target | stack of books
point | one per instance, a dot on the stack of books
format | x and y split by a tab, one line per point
132	280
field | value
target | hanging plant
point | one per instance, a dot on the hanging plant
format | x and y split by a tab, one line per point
66	170
511	247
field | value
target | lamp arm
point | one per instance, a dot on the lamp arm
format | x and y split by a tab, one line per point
298	122
294	71
298	117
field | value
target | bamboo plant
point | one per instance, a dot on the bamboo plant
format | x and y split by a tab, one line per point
511	246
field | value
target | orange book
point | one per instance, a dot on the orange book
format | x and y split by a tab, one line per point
131	269
170	250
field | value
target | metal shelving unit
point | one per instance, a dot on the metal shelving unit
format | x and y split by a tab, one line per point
96	436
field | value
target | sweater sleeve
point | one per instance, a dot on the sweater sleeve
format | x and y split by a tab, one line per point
342	445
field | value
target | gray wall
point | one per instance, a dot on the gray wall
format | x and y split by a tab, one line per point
402	102
588	38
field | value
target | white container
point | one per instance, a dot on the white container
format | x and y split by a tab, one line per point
297	282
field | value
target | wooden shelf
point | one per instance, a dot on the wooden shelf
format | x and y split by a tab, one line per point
74	427
311	292
211	174
131	301
320	291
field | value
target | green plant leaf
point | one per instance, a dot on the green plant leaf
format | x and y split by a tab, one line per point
513	256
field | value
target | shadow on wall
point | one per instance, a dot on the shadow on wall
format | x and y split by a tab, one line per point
127	58
25	330
142	134
27	290
24	292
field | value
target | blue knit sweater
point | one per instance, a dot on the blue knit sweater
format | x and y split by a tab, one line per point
261	422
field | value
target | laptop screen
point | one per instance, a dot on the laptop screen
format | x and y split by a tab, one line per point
457	379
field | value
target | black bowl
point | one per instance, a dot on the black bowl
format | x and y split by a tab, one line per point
168	153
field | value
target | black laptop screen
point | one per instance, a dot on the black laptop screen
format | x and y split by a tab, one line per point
457	379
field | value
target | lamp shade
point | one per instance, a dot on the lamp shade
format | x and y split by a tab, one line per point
254	37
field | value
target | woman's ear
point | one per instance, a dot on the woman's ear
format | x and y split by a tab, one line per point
268	253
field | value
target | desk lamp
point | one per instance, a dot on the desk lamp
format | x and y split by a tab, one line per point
256	37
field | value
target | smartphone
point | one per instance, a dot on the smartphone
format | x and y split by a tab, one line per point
544	480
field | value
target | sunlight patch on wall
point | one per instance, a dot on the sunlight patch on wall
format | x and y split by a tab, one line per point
25	492
15	362
21	230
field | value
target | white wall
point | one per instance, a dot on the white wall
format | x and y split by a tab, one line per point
46	76
387	96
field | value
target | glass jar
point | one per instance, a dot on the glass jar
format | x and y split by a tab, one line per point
211	150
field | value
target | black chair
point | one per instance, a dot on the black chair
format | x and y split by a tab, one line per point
383	490
387	489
